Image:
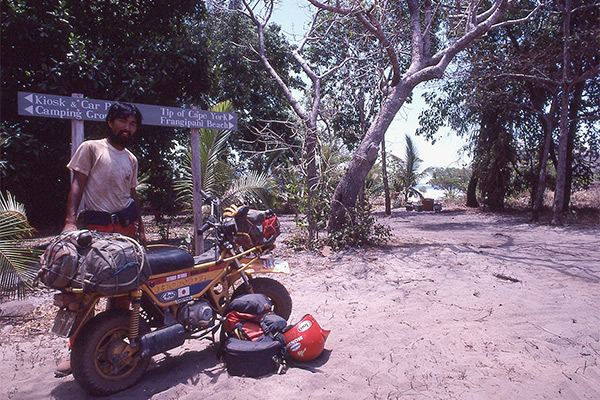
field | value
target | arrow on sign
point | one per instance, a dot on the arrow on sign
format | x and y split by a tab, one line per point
29	109
29	98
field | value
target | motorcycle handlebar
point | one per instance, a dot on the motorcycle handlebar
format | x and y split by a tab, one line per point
207	225
206	198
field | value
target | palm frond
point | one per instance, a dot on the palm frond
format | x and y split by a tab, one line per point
217	176
18	264
247	189
213	145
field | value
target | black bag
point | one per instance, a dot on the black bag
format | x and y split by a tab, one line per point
250	317
252	303
254	359
252	343
253	228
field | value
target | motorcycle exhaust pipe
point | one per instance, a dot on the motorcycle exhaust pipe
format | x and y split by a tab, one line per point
161	340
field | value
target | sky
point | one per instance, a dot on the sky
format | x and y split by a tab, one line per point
293	15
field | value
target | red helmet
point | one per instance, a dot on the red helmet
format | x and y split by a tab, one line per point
306	340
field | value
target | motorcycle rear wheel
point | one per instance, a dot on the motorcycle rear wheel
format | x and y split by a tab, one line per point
275	291
101	361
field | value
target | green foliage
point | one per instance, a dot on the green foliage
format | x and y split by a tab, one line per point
405	173
453	181
153	52
218	177
360	229
501	96
34	173
18	264
240	78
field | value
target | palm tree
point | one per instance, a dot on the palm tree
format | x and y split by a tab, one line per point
407	175
218	177
18	264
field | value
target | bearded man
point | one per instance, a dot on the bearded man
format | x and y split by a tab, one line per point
105	174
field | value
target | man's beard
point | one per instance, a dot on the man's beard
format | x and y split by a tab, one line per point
120	140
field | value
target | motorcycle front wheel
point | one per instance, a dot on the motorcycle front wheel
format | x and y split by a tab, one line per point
103	361
275	291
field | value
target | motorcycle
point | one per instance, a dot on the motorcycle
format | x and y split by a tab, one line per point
185	297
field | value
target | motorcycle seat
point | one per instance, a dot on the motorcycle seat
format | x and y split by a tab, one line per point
164	259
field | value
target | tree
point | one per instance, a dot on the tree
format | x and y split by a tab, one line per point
453	181
511	82
64	47
428	60
408	174
219	178
577	67
308	114
18	266
239	79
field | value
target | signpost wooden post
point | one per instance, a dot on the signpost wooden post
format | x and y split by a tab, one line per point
79	109
77	137
197	182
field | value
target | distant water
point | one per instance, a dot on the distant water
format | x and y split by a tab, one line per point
429	192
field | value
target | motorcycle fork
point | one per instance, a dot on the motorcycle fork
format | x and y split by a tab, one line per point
245	279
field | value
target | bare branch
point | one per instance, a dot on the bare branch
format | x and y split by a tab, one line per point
546	82
520	20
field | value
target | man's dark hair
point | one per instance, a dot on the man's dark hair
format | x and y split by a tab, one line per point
123	110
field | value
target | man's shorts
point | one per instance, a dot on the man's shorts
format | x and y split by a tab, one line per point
130	230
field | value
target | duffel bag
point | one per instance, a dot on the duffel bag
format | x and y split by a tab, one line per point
114	264
61	260
254	358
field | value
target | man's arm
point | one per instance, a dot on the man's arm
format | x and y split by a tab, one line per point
73	200
138	206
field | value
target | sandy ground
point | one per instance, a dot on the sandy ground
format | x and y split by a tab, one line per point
461	305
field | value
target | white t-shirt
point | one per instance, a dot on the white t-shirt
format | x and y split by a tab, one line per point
111	173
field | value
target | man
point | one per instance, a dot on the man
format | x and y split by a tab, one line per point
105	172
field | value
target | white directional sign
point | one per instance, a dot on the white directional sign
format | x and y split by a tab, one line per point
74	108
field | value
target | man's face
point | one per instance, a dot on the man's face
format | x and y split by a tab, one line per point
122	131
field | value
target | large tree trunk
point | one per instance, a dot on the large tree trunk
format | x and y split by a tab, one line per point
472	192
543	164
345	195
494	154
573	112
563	143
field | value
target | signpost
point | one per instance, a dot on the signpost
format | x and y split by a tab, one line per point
82	109
79	109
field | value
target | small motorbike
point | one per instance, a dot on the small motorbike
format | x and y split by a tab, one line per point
185	297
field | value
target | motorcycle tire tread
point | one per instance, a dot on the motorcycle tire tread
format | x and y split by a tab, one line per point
274	290
83	359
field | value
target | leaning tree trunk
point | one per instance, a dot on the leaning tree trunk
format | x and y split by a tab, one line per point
346	192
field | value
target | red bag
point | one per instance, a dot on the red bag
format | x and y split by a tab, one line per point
271	227
242	326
